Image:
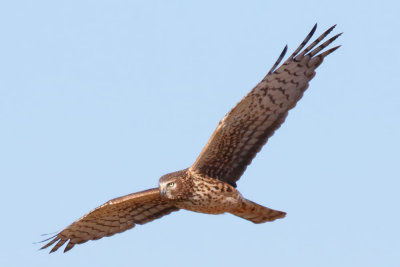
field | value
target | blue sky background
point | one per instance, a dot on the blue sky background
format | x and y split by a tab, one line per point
98	99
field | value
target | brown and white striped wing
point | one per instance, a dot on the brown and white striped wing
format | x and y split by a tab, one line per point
247	127
115	216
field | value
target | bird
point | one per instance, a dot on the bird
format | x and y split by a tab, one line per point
209	185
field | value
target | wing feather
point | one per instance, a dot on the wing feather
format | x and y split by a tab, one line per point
115	216
247	127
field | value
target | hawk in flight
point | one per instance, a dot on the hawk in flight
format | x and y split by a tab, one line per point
209	185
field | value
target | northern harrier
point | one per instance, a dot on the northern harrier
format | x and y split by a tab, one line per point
209	185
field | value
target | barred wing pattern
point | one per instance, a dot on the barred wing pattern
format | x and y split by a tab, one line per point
247	127
115	216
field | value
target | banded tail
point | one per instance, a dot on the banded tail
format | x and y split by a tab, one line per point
256	213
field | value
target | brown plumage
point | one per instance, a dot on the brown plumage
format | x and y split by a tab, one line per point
115	216
209	185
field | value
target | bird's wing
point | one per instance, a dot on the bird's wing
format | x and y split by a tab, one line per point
115	216
247	127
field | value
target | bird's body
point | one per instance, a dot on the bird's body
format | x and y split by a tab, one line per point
207	195
212	196
209	185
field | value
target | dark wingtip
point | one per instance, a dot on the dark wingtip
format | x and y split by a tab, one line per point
278	61
54	239
327	52
312	31
305	41
69	246
283	53
331	28
314	28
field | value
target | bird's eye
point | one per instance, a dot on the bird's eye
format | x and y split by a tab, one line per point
171	184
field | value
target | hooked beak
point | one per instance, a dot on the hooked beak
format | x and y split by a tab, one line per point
162	190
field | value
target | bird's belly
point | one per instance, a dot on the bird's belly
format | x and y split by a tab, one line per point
209	204
211	196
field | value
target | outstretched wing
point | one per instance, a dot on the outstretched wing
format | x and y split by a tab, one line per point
115	216
247	127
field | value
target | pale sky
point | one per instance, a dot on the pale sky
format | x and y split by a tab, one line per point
98	99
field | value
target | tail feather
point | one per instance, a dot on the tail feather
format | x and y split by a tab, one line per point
256	213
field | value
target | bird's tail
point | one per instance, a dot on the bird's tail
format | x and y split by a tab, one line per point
256	213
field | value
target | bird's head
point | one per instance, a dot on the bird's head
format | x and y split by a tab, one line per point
172	185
